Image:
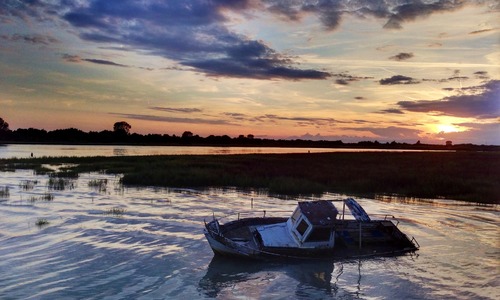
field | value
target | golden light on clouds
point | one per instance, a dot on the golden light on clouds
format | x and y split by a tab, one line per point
348	70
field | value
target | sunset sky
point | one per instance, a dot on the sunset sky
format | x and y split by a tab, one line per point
358	70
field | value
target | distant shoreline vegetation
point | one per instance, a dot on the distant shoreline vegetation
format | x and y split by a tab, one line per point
120	136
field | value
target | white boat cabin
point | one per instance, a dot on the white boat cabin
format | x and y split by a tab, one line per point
310	226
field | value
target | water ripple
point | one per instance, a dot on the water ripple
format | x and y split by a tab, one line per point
146	243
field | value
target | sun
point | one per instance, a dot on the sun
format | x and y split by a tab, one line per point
447	128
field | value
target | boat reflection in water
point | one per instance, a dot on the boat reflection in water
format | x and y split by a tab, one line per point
226	275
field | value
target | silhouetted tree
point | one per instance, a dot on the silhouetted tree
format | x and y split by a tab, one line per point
4	130
4	126
122	127
187	134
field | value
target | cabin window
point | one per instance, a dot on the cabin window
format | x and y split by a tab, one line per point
302	227
319	235
296	215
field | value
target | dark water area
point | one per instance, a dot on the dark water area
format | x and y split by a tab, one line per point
102	240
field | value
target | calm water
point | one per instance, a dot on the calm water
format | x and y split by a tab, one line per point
111	242
22	151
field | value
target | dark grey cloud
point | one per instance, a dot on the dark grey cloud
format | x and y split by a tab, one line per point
394	12
392	111
484	104
482	31
104	62
402	56
195	35
482	75
398	79
346	78
190	32
78	59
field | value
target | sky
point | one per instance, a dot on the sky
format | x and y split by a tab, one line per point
350	70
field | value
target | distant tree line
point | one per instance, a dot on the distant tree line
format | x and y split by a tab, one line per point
121	135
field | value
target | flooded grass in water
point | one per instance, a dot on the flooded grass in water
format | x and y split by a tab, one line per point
61	184
4	192
99	185
28	185
41	222
116	211
44	197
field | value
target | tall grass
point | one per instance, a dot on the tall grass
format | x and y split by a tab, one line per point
472	176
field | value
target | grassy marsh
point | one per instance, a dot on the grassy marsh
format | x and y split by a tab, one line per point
470	176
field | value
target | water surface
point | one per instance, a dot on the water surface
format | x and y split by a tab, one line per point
111	242
40	150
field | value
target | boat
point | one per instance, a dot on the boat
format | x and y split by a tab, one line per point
315	230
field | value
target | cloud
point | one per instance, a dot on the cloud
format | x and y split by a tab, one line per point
176	110
174	120
392	111
398	79
331	13
196	34
402	56
481	31
407	11
192	33
392	133
346	79
78	59
477	133
482	105
104	62
31	38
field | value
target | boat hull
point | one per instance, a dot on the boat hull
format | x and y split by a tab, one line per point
381	238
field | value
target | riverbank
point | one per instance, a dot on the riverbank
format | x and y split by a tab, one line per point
469	176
